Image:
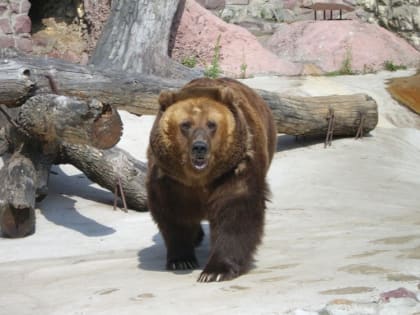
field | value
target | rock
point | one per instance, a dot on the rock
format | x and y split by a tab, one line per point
268	10
197	35
212	4
14	7
3	8
6	41
25	5
331	44
96	13
5	27
401	16
22	24
24	44
398	294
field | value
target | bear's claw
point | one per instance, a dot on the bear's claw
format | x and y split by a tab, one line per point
219	271
182	265
217	277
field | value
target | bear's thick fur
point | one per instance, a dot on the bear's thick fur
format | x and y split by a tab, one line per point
210	148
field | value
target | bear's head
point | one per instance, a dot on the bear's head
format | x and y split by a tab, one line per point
198	134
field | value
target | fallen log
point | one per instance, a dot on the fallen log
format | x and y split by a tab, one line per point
307	116
138	94
52	119
104	167
35	134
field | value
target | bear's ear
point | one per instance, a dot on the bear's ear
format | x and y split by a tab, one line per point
226	95
166	99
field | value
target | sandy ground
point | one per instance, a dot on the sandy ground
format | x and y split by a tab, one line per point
343	225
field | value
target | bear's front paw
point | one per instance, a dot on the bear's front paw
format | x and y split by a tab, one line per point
182	264
218	272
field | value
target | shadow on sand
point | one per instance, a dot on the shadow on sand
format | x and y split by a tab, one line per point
60	209
287	142
153	258
77	185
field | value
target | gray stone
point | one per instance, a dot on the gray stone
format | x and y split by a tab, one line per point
15	6
416	18
24	44
25	6
22	24
5	26
243	2
6	41
212	4
3	8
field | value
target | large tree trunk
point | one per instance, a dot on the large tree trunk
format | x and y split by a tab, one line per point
138	94
136	38
309	116
105	167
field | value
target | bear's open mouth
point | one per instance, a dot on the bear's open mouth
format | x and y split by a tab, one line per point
199	163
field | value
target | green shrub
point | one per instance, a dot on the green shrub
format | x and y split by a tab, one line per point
244	66
346	64
189	62
214	71
390	66
345	68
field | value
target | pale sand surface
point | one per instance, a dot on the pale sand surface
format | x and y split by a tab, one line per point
344	223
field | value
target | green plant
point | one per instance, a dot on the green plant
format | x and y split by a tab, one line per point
190	61
214	71
346	64
244	66
390	66
345	68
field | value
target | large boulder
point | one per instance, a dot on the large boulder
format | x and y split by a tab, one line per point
330	45
197	35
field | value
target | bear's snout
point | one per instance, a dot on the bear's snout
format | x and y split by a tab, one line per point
199	154
199	148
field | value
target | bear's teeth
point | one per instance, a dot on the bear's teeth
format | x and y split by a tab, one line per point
199	164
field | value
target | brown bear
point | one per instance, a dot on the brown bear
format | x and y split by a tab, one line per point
210	148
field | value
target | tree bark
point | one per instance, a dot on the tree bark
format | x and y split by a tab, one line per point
137	93
53	119
308	116
136	38
17	197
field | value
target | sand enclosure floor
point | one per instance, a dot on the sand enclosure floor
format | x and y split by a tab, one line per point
343	224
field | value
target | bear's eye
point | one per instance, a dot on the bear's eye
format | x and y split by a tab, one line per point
185	126
211	125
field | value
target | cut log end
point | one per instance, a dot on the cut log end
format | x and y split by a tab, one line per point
56	119
107	128
15	223
14	91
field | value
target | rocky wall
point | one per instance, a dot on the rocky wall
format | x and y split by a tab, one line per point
15	25
65	29
400	16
